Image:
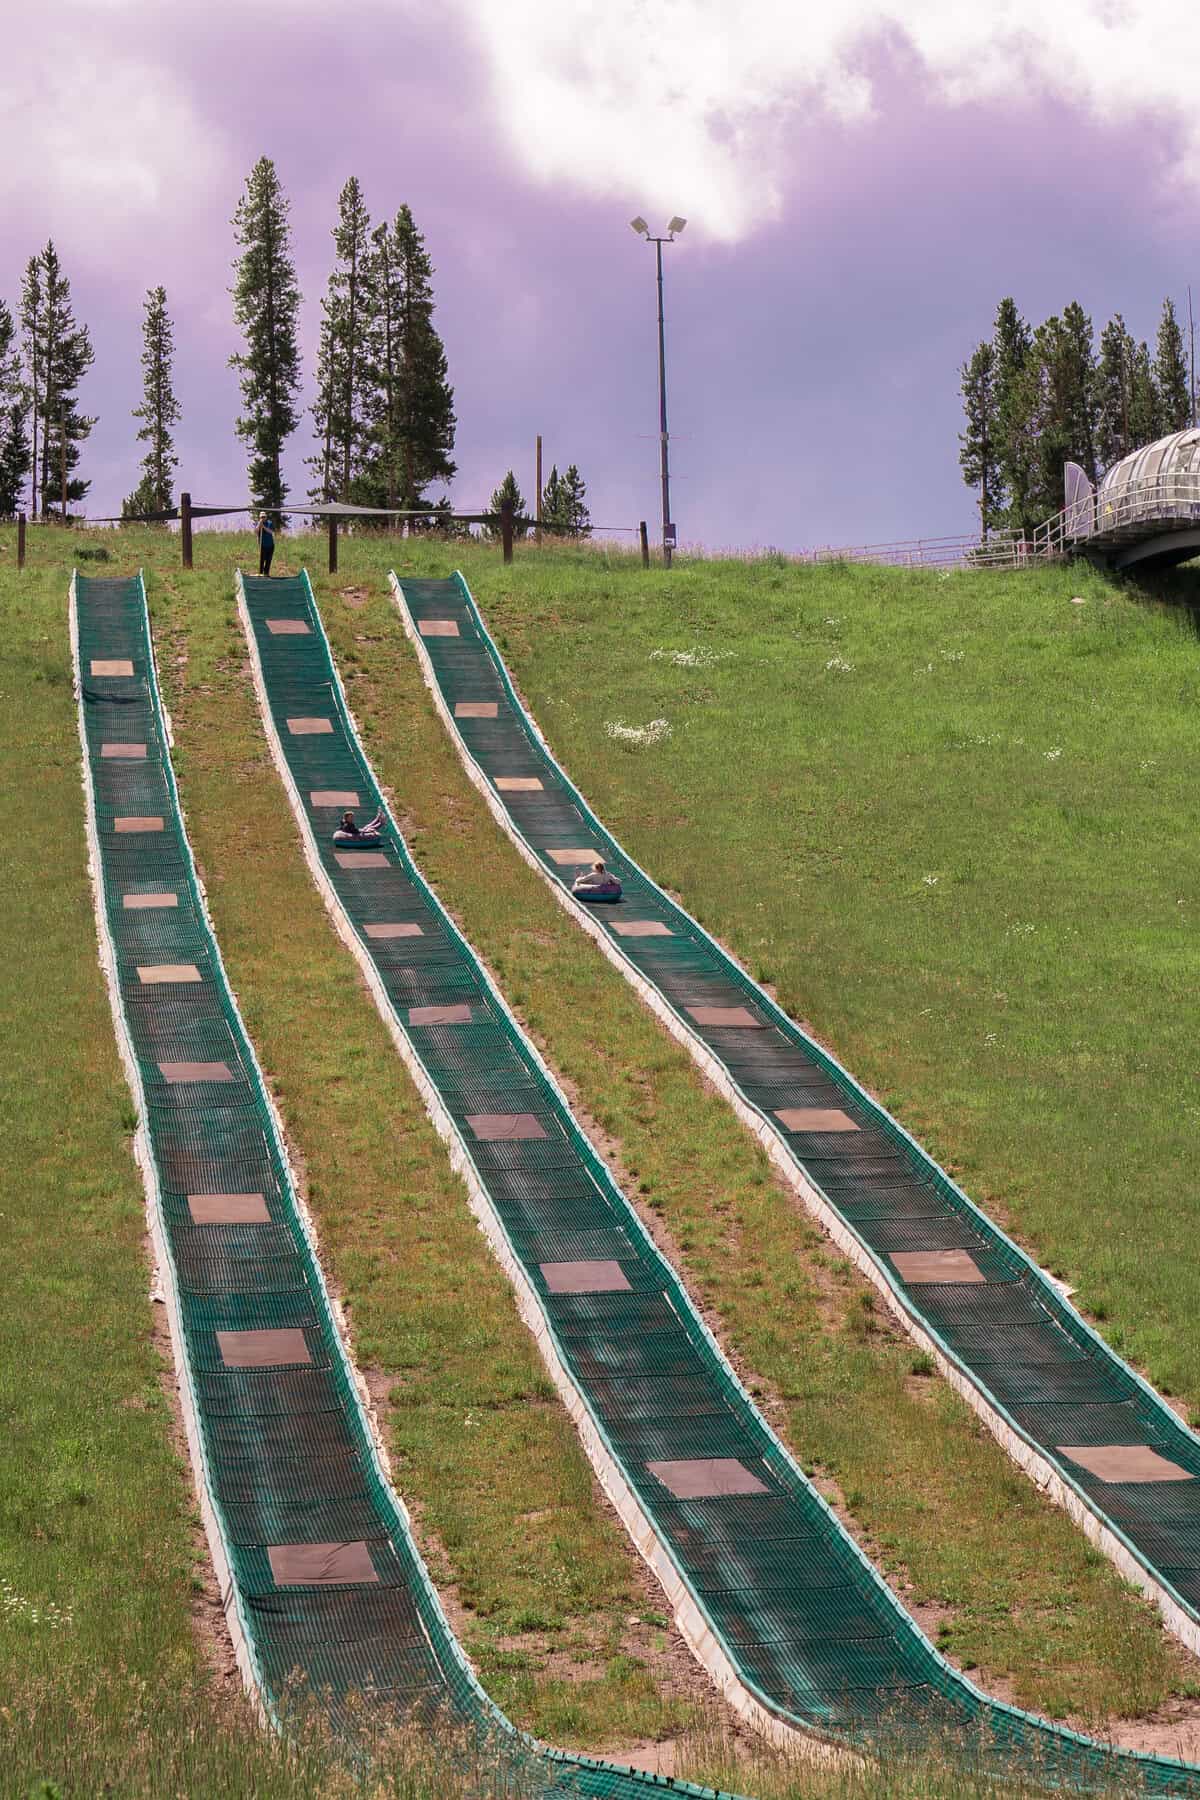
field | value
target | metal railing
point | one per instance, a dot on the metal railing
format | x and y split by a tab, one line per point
1159	500
1002	550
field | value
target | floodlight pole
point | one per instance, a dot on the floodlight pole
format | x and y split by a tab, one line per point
675	226
664	462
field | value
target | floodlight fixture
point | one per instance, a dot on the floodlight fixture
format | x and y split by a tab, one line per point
640	226
676	226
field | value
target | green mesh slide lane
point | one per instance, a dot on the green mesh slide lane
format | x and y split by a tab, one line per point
792	1606
1065	1406
319	1571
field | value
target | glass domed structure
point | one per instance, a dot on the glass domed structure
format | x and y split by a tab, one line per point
1145	510
1154	467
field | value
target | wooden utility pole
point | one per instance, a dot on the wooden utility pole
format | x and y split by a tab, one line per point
645	537
1192	335
506	528
185	528
20	540
62	436
537	511
332	545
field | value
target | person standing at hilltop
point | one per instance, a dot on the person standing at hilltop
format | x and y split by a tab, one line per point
266	544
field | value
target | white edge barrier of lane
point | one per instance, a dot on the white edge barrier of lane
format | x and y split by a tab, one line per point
1027	1455
164	1266
240	1631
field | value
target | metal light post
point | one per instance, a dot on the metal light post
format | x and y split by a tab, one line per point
668	530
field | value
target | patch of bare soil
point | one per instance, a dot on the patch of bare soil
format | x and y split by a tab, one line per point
1173	1730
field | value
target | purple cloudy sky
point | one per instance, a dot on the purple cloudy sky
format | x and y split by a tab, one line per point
860	190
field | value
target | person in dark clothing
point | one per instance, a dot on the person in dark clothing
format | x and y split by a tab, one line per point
350	832
266	544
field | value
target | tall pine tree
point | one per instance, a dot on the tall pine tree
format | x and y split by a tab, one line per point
1058	401
412	402
325	409
266	304
32	331
564	504
159	410
1145	402
1114	375
1171	374
1075	391
343	368
59	354
14	418
979	444
1017	444
507	491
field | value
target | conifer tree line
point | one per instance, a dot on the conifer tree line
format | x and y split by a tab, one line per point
564	505
45	352
44	355
1037	398
383	418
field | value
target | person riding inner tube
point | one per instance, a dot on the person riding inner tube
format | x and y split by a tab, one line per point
596	883
348	832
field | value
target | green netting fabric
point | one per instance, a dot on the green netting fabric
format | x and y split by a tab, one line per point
1039	1365
801	1615
328	1587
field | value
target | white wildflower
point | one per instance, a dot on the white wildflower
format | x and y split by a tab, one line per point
953	655
699	657
930	880
840	664
1052	755
653	733
16	1606
990	1037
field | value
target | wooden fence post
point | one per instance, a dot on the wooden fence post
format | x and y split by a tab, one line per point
20	540
185	528
332	545
643	534
506	528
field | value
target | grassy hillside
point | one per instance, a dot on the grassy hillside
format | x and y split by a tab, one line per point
952	817
772	863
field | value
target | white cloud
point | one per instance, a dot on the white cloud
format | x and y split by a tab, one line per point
97	142
680	105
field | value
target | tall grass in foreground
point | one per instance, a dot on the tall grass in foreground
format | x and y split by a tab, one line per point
129	1740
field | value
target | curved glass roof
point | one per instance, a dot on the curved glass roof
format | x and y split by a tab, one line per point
1173	456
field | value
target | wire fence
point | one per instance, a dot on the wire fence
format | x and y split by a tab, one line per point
1001	550
506	526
